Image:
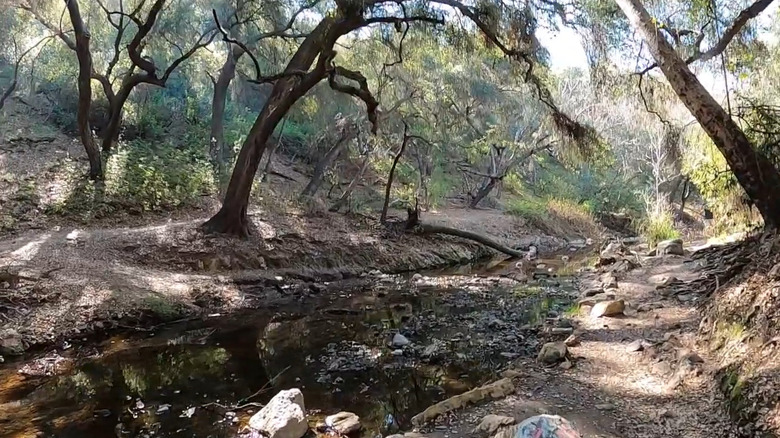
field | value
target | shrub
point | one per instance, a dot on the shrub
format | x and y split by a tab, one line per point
157	178
658	226
138	178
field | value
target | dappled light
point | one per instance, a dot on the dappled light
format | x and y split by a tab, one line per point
362	218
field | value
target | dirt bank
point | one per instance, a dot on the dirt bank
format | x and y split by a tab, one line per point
72	280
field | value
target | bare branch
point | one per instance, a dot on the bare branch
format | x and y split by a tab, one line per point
362	93
226	37
49	25
731	32
136	45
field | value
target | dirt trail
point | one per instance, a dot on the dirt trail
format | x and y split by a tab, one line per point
664	390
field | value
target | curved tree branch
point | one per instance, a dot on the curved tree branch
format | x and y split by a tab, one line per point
739	23
362	92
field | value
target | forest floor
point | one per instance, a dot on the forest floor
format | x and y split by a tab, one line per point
695	354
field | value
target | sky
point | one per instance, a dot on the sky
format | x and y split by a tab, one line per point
566	48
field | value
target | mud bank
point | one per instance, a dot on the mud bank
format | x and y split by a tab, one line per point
70	283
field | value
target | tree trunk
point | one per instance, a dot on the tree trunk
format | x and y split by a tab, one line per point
269	163
490	243
111	133
484	191
753	170
8	92
232	217
351	187
391	175
323	165
85	90
217	147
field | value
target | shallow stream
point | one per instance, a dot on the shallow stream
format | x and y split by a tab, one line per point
199	379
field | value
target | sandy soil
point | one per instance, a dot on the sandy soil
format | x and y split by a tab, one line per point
665	390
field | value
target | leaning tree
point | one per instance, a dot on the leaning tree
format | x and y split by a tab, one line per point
754	171
314	61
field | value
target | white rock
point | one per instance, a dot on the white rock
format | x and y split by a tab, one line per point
492	423
344	423
608	308
400	340
283	417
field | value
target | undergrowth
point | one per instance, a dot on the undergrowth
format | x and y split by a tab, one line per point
657	227
140	178
556	216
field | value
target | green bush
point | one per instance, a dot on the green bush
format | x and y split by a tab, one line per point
157	178
527	208
657	227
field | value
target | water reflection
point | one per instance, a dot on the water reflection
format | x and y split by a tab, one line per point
337	352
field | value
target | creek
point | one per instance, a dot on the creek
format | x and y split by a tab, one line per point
206	378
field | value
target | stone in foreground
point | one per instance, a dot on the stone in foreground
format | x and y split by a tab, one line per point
492	424
344	423
671	247
552	352
283	417
608	308
540	426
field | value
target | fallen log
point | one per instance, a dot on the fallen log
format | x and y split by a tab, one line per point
422	228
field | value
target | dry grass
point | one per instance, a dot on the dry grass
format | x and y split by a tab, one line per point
557	217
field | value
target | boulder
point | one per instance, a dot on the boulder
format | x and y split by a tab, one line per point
540	426
592	290
552	352
400	340
344	423
283	417
11	343
671	247
492	424
608	308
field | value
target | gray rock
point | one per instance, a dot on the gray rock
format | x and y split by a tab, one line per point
609	281
11	343
608	308
592	290
400	340
562	330
283	417
552	352
398	353
492	424
686	298
671	247
635	346
344	423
